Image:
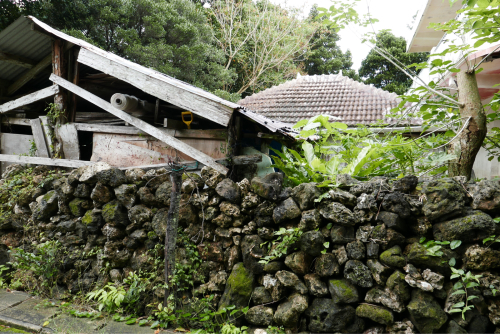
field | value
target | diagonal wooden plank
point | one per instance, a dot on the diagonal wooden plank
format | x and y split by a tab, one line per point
23	79
171	91
44	161
39	138
30	98
149	129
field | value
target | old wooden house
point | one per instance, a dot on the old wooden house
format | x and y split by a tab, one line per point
65	102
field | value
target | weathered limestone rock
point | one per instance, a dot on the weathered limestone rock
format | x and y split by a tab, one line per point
338	214
417	255
102	194
385	297
112	233
310	220
299	262
325	316
47	206
140	214
79	206
82	191
396	282
445	199
288	313
326	265
286	210
425	313
356	250
134	176
163	193
481	258
269	186
401	327
304	195
375	313
379	272
486	196
312	243
260	295
405	184
474	227
343	291
289	279
391	220
192	182
342	234
126	194
260	316
396	203
344	197
357	273
315	285
393	257
239	287
147	197
89	173
252	253
115	213
228	190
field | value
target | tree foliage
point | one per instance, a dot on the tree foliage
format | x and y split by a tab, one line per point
376	70
324	55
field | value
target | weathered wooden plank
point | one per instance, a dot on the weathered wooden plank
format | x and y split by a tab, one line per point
69	137
30	74
16	121
44	161
246	159
17	60
48	133
39	138
202	134
167	91
30	98
173	124
167	139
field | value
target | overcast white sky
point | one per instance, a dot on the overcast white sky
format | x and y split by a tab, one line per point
392	14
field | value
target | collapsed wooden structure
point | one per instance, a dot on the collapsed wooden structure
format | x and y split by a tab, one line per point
93	96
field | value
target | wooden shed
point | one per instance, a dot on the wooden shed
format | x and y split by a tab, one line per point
79	105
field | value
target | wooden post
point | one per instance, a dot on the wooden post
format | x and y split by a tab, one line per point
59	69
74	76
172	224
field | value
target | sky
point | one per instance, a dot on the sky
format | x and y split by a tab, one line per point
392	14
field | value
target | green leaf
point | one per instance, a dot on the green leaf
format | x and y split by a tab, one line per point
479	70
452	263
455	244
458	292
472	297
422	239
131	321
155	324
459	304
454	70
472	285
308	151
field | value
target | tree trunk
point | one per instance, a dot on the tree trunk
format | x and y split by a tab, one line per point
172	224
468	143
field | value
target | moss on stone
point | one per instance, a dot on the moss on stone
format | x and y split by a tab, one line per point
342	291
392	257
87	218
152	235
239	287
6	329
375	313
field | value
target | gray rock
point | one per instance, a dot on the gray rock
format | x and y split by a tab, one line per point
454	328
228	190
89	173
356	250
401	327
342	234
481	258
159	223
290	280
338	214
372	250
115	213
445	199
341	255
385	297
102	194
147	197
260	316
379	272
396	203
345	180
364	233
315	286
79	206
239	287
134	176
396	282
82	191
163	193
211	176
475	227
393	257
310	220
405	184
391	220
375	313
343	291
93	220
486	196
312	243
344	197
288	313
327	317
112	233
269	186
118	256
425	313
191	183
140	214
252	253
299	262
135	239
155	178
126	194
47	206
112	177
286	210
326	265
359	274
274	266
260	295
434	279
304	195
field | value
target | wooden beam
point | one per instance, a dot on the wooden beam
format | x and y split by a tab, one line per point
69	136
23	79
30	98
48	133
44	161
39	138
17	60
237	160
149	129
16	121
171	91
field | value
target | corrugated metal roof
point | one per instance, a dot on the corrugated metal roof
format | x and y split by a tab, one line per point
349	101
20	40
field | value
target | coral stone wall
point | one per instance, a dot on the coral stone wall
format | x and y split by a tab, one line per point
358	265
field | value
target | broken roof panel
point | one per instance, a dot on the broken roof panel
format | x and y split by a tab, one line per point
350	101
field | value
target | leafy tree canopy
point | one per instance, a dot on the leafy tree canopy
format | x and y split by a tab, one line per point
325	56
378	71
